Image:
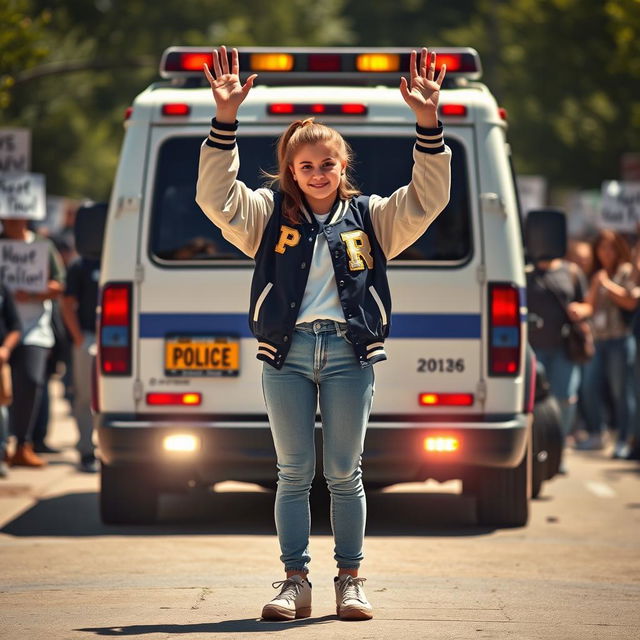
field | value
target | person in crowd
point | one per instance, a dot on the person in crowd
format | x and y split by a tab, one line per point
10	328
79	313
610	374
29	358
315	198
556	296
634	446
581	253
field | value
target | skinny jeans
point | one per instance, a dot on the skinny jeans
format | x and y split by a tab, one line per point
564	382
610	375
320	366
28	373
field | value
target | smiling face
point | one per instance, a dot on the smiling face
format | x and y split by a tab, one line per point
317	170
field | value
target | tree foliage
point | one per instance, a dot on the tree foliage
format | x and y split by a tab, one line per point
568	71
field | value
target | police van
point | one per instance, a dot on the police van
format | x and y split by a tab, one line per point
178	395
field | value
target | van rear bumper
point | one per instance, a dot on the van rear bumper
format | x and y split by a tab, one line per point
394	450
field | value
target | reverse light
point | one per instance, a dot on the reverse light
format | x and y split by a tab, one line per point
168	399
441	444
271	62
378	62
445	399
504	329
181	442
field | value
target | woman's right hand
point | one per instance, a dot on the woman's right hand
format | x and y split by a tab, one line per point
227	90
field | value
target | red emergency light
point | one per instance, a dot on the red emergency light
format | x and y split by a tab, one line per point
287	108
176	109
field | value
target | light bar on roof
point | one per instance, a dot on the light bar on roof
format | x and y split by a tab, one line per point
331	65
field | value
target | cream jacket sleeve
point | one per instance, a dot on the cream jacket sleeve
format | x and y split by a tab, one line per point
241	213
405	215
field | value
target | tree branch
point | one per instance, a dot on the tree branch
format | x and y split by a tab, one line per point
71	66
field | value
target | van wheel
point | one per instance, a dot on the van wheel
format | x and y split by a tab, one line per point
128	495
502	495
547	441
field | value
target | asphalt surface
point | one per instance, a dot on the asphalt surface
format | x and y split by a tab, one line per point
205	570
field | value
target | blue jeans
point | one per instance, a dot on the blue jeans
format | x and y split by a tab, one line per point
611	369
322	365
564	380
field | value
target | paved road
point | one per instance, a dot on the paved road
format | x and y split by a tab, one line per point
206	569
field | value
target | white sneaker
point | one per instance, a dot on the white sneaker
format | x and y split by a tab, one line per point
293	601
351	603
621	450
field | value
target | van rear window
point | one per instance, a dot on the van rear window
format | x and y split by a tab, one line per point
181	232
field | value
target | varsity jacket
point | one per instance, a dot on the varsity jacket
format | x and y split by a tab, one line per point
362	234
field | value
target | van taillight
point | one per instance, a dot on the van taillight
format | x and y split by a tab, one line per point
504	329
114	351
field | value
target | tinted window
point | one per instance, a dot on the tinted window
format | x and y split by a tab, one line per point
180	231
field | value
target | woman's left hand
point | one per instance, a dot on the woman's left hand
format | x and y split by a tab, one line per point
423	93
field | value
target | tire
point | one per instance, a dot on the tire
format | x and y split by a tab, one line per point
128	495
547	441
502	495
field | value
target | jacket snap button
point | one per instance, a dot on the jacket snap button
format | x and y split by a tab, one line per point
303	265
310	239
342	283
337	254
292	305
285	339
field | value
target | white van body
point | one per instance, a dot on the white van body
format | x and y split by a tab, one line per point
185	282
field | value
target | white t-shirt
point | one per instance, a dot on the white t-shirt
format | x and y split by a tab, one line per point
320	300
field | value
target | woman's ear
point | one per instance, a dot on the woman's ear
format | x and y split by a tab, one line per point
293	173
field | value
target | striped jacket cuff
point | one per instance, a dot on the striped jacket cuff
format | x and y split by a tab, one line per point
222	135
430	140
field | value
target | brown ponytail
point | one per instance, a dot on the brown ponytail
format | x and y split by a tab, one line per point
298	134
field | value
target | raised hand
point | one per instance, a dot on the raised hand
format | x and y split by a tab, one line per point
423	93
227	90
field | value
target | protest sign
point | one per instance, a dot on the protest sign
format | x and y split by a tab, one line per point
532	191
620	206
22	195
24	265
15	150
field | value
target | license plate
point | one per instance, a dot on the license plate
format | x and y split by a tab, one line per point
196	356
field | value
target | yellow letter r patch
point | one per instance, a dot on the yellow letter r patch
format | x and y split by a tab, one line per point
358	248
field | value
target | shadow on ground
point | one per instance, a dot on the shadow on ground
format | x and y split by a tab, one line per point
249	513
248	625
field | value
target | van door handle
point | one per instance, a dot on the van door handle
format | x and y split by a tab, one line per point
492	203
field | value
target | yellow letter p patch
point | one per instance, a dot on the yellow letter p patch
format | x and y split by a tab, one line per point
288	238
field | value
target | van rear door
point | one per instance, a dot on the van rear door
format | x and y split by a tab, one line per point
194	288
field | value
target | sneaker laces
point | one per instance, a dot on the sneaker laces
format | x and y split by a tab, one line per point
352	589
290	589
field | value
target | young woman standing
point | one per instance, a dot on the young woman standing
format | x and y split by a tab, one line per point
320	304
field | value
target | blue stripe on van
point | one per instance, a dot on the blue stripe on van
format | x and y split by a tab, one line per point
404	325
